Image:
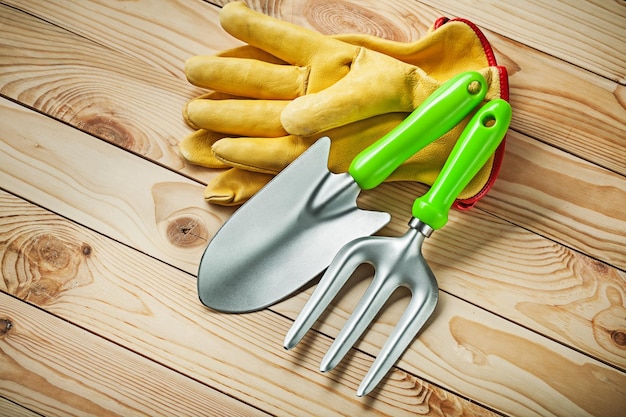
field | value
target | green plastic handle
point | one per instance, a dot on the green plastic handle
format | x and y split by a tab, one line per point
438	114
476	144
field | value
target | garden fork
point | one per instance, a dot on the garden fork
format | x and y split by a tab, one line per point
398	261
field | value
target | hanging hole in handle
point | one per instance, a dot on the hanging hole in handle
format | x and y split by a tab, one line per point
488	120
474	87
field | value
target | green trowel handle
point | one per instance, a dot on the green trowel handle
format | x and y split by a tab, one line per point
439	113
476	144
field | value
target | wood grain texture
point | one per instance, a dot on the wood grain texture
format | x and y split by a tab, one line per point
533	289
110	94
92	281
542	112
157	303
146	215
581	205
533	281
476	346
87	376
11	409
545	107
554	102
162	214
423	359
554	28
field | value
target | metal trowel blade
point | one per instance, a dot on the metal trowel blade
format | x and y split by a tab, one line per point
284	236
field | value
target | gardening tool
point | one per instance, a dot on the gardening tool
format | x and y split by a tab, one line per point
398	261
289	232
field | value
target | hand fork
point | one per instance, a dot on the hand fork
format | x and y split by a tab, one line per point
399	261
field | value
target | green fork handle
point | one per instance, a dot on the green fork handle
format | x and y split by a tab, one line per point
438	114
477	143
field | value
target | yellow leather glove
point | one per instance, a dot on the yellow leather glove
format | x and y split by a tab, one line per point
289	86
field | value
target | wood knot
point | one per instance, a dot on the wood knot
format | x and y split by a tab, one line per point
608	324
180	218
44	290
53	263
86	249
49	253
619	338
5	326
110	130
345	17
186	231
598	266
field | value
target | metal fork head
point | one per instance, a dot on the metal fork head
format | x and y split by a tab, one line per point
398	262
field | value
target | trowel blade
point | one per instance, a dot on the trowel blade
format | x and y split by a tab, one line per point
284	236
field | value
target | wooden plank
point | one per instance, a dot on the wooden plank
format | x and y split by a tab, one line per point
93	152
572	192
11	409
124	196
587	121
601	233
560	312
156	211
110	94
526	278
92	281
554	27
58	369
564	106
176	29
550	27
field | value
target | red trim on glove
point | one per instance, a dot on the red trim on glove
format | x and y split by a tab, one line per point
504	94
440	22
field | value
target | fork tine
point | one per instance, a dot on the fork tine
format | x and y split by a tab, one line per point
338	272
419	310
370	304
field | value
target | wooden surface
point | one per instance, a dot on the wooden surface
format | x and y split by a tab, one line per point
102	227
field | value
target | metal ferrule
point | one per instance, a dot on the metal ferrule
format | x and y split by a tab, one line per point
421	227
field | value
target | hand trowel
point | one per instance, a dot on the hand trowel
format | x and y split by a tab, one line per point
289	232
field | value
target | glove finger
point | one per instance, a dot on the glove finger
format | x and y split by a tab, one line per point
247	77
236	117
443	53
398	50
271	155
235	187
196	148
281	39
267	155
329	59
250	52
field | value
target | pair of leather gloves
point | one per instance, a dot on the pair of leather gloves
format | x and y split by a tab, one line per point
288	86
